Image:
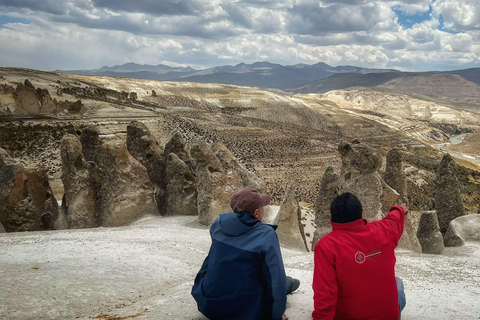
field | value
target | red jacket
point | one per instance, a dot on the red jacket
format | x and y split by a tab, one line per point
354	276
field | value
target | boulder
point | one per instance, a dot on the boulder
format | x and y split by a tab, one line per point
127	193
394	175
461	229
236	172
147	150
326	193
290	229
429	234
82	183
26	199
214	192
2	229
181	188
448	201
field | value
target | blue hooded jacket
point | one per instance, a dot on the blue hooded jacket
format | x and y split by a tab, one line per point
243	275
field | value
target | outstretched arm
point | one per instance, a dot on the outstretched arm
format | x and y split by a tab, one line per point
395	220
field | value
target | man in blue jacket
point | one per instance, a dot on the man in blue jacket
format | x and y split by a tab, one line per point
243	275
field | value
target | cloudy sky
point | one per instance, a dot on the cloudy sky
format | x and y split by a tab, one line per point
87	34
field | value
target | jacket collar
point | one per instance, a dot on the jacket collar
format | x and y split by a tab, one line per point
349	225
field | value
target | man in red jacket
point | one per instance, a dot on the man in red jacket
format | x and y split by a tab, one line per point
354	276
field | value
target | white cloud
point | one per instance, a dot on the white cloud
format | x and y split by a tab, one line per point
458	15
76	34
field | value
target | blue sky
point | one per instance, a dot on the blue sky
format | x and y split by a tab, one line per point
416	35
4	19
407	20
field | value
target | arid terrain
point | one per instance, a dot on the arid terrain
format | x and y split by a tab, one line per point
286	139
145	270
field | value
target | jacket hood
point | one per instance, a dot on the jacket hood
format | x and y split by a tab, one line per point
237	223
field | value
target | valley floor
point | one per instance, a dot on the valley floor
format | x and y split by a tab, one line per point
145	271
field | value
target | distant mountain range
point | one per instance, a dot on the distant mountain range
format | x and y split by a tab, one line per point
455	86
258	74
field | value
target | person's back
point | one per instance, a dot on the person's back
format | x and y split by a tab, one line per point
243	275
354	275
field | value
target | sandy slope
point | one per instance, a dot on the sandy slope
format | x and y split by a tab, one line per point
147	269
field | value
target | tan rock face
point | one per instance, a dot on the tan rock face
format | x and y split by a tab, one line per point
2	229
34	101
359	176
448	201
178	146
181	188
394	175
461	229
127	192
214	194
238	175
147	150
290	230
26	199
326	193
219	176
82	182
429	233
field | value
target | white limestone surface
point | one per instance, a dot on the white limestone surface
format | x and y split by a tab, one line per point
146	270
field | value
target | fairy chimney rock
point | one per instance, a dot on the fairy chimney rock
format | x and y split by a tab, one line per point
146	149
326	193
359	176
181	188
82	182
26	199
448	201
394	175
213	191
290	229
429	233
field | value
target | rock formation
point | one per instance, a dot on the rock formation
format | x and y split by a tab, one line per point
178	146
394	175
290	230
127	193
448	201
326	193
236	172
2	229
76	107
181	188
429	233
461	229
82	183
219	176
359	176
146	149
214	193
26	199
34	101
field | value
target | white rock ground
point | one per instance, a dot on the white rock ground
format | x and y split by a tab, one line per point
146	270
